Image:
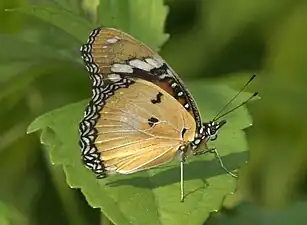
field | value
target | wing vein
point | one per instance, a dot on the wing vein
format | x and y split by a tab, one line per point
127	144
151	114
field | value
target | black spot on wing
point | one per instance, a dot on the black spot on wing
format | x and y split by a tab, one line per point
152	121
158	98
160	70
183	132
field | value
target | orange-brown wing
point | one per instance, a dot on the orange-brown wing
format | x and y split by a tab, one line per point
109	50
111	46
135	131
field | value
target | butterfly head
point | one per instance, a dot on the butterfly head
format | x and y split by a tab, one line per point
211	129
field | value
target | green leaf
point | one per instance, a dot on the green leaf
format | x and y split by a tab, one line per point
12	69
25	77
153	196
73	6
10	215
142	19
234	80
11	22
14	49
22	182
90	9
70	23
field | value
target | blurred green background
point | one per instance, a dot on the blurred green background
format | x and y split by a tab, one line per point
212	41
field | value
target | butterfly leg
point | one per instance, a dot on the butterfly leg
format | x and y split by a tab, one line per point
182	160
217	156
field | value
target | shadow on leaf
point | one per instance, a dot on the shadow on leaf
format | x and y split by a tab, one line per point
198	169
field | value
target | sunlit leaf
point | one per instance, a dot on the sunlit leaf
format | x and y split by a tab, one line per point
152	195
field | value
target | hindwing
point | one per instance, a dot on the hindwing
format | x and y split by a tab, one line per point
129	131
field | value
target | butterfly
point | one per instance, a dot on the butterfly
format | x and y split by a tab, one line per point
141	115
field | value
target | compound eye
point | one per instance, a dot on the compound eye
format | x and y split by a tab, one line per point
212	131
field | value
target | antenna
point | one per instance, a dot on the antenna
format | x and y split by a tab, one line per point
238	106
234	97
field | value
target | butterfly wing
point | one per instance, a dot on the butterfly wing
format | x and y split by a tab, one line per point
133	132
109	50
117	62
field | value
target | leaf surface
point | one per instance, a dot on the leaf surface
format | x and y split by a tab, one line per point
152	196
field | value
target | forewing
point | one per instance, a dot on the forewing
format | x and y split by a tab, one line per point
109	50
